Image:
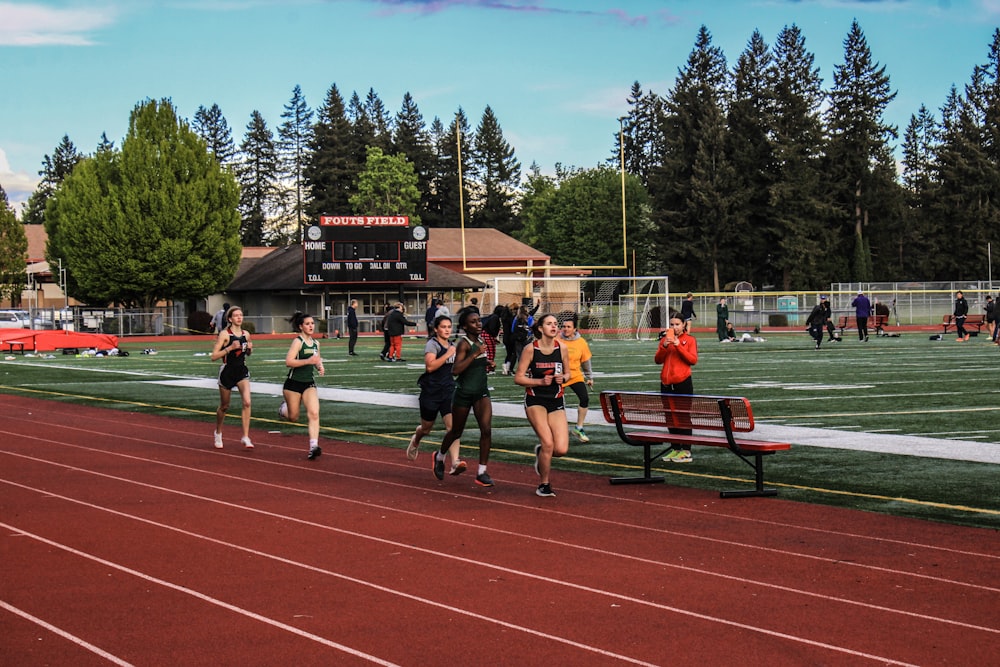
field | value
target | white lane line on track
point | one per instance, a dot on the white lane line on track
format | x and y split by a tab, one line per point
73	639
569	584
200	596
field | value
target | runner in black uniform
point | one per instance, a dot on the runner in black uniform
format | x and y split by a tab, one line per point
437	387
542	369
233	346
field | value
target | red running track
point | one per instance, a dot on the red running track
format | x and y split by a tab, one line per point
128	539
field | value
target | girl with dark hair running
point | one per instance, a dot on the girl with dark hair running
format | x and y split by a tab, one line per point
233	346
436	389
542	370
471	393
304	363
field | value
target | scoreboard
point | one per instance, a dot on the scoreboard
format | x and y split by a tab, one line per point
364	249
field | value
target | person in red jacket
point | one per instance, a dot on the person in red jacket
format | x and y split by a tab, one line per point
677	351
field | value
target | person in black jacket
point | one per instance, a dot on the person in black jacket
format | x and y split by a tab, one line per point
817	320
961	311
352	327
395	325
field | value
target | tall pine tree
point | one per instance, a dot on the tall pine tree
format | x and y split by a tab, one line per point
294	135
328	173
498	174
261	195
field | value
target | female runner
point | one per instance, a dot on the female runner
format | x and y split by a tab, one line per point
234	346
304	362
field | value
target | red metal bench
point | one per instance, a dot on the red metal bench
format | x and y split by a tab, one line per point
724	414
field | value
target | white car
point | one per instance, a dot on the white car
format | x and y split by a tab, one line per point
15	319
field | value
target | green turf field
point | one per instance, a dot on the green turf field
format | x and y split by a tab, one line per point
906	385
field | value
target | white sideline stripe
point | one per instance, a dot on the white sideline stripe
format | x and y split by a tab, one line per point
202	596
886	443
65	635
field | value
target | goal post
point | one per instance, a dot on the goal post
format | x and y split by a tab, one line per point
617	308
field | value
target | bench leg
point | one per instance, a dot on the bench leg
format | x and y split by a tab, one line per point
758	473
647	470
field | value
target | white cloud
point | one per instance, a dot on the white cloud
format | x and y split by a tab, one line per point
34	24
18	186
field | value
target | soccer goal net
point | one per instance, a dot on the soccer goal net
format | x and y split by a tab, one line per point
622	308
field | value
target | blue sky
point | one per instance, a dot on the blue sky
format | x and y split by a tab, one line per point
555	72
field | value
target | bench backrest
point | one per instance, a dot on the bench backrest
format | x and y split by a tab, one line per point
639	408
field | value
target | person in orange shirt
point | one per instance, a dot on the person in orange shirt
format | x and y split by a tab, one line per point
677	351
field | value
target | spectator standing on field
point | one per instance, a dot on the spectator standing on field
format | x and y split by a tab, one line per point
386	343
991	317
687	311
862	311
395	324
960	312
817	320
352	327
581	377
722	319
219	319
677	352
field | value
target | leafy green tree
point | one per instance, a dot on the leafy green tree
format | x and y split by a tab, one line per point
327	173
859	158
261	194
498	175
294	135
577	217
13	252
54	170
211	125
156	221
797	237
387	186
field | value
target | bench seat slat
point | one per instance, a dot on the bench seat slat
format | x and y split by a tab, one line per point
707	440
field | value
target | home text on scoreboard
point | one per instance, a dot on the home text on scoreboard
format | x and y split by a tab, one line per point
364	249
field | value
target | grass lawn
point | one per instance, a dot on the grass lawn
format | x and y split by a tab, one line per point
906	385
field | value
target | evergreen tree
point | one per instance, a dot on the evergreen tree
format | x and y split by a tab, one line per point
211	125
860	160
327	173
13	252
155	221
453	148
750	131
294	135
641	132
693	204
919	235
54	170
381	122
411	138
261	195
797	237
387	186
498	175
362	135
434	198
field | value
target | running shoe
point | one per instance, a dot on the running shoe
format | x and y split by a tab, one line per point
484	480
580	434
538	448
283	410
545	491
672	454
438	468
218	441
411	449
246	443
314	452
458	468
682	456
